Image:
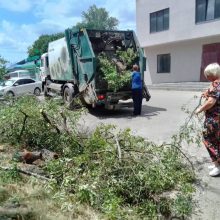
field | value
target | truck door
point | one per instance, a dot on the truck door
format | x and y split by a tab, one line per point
82	57
142	61
83	62
142	65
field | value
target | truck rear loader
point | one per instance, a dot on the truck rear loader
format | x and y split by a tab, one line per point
70	67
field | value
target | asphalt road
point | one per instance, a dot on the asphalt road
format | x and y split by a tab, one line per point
161	118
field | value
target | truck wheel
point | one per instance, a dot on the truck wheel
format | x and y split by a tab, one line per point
37	91
45	91
68	95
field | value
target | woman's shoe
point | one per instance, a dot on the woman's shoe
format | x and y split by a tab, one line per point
215	171
210	167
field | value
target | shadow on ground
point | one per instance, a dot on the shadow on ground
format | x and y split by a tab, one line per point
147	111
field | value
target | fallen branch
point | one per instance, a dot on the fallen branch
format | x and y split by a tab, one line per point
26	173
23	125
103	151
65	127
178	148
16	213
118	148
46	118
193	112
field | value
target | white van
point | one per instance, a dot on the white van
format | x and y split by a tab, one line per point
20	74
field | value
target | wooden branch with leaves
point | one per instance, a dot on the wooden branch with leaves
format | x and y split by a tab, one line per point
23	125
116	70
47	119
23	171
65	127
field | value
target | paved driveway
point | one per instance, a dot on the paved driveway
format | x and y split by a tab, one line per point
161	116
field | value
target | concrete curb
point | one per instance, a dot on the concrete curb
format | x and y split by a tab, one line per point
183	86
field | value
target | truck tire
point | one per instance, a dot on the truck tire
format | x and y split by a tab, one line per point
45	89
68	95
37	91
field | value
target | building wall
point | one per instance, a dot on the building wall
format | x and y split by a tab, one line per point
182	24
185	61
183	40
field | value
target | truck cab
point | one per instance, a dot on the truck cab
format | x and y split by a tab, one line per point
44	68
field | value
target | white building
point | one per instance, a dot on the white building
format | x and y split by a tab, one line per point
179	37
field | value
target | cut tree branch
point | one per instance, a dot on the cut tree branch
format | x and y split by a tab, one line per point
65	127
178	148
23	125
118	148
27	173
46	118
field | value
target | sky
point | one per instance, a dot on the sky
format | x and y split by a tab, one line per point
23	21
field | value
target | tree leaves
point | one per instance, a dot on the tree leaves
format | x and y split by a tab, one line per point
116	71
2	67
40	46
97	18
94	18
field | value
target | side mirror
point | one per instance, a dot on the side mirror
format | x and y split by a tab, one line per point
16	84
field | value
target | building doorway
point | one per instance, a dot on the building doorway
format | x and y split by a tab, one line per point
210	54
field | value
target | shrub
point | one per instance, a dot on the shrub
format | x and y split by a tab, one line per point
37	124
117	172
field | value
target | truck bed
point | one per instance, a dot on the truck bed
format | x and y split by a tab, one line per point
109	42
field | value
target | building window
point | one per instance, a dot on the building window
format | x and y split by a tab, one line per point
207	10
163	63
159	20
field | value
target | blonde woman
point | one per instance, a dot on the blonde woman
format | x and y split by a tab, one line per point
211	107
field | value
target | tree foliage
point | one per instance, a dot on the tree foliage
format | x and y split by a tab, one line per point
119	175
2	66
115	80
40	46
27	121
116	71
123	176
98	18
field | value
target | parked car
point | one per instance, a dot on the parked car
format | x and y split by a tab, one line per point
18	86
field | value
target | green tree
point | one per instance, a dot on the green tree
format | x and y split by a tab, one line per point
40	46
2	67
97	18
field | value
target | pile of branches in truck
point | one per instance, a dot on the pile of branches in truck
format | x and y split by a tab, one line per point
116	70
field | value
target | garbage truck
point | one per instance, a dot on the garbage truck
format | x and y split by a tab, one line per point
70	66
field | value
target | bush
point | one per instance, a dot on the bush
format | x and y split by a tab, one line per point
34	124
116	173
